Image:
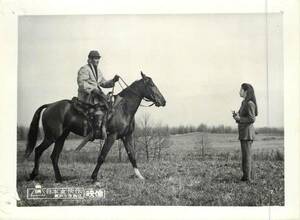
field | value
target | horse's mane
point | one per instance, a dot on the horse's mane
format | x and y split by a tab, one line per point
126	91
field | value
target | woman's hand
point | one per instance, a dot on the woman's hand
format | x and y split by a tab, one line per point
236	118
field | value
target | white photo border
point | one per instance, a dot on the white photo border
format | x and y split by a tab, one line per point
9	12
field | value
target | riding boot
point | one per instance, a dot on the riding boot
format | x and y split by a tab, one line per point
103	127
97	124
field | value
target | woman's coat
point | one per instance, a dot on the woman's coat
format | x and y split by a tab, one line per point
247	118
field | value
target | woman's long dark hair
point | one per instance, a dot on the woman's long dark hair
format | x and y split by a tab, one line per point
250	95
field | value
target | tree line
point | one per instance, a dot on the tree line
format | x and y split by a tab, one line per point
151	141
221	129
146	127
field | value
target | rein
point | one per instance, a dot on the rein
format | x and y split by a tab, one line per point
145	99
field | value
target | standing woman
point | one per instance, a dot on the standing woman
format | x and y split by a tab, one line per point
245	119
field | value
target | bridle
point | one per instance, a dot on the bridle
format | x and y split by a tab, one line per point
133	91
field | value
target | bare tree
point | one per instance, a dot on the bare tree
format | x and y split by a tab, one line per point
150	141
204	143
146	134
161	140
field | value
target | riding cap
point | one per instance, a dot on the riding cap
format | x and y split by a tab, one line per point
94	54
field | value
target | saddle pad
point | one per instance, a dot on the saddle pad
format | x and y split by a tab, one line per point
86	109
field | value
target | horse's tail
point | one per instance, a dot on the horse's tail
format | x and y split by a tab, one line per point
33	131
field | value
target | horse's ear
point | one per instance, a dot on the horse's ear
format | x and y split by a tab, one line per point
143	75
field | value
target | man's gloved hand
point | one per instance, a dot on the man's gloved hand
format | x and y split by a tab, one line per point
116	78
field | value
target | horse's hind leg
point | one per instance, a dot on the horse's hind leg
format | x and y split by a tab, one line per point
131	155
59	143
37	154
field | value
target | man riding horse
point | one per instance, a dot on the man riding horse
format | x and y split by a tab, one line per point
62	117
89	81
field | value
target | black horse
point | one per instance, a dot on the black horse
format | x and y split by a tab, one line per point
60	118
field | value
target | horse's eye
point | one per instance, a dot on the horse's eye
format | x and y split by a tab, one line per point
151	83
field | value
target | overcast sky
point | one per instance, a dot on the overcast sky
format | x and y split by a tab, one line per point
197	61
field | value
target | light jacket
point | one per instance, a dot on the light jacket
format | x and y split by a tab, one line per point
247	118
89	79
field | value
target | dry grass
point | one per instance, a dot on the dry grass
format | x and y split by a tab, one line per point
183	177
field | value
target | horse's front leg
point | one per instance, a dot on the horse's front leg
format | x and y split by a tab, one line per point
106	147
131	155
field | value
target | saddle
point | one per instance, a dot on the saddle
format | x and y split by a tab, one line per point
97	115
93	114
87	109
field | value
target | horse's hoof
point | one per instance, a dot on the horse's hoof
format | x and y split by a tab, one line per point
37	184
59	180
94	179
31	177
138	174
244	178
98	184
141	178
94	176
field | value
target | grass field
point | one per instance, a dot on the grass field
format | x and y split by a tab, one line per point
182	177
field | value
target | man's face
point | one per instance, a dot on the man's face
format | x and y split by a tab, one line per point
95	61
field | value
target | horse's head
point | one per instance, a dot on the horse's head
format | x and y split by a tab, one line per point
151	92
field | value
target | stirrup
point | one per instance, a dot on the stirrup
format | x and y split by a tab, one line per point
100	133
103	132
